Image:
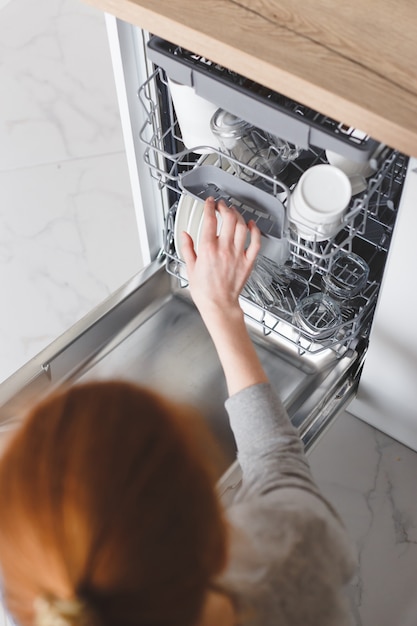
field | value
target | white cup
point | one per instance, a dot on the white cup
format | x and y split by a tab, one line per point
349	167
357	172
193	114
319	202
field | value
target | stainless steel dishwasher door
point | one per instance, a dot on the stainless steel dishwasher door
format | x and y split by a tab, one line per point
172	353
150	333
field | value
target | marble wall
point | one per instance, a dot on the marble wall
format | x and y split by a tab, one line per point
67	225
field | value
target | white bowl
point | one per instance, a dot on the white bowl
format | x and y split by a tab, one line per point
357	172
195	223
350	168
319	201
182	219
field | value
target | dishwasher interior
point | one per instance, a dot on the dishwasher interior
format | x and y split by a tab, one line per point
297	294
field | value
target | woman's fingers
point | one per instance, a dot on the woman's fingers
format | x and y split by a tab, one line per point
234	230
255	242
187	248
241	233
209	227
229	217
238	239
223	264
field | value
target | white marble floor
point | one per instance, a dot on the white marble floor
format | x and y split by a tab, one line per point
68	238
371	480
67	225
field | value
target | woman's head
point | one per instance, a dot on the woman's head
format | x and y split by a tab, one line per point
106	497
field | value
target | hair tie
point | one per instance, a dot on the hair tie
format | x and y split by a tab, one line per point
50	611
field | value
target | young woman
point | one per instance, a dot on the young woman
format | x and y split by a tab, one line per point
109	513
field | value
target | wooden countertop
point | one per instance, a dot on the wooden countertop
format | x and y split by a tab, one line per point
353	61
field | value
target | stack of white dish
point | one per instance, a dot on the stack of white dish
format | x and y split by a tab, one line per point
189	216
319	202
357	172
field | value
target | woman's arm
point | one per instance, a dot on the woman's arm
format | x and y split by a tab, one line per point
295	529
265	437
216	277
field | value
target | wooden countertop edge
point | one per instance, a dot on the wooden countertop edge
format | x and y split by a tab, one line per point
390	119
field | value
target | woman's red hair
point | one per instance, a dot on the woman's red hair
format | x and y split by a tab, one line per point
106	496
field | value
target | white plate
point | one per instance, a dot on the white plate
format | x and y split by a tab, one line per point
358	184
182	218
195	221
189	216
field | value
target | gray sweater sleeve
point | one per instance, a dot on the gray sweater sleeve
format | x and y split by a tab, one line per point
270	451
297	535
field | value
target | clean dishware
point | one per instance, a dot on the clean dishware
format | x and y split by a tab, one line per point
319	202
182	217
357	172
196	218
318	316
193	115
349	167
195	222
286	151
247	144
189	214
252	202
347	276
271	285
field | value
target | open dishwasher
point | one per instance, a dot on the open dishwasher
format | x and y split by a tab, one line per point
150	332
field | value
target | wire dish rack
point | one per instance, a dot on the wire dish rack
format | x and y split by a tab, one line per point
267	109
367	223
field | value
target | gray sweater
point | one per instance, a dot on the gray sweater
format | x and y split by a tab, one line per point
290	556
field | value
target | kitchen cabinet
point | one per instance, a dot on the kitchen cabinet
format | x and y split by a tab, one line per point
352	61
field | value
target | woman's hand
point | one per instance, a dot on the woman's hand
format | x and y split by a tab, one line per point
216	277
224	262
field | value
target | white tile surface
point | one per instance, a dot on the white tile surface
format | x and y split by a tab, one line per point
57	93
3	3
68	233
371	479
67	240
